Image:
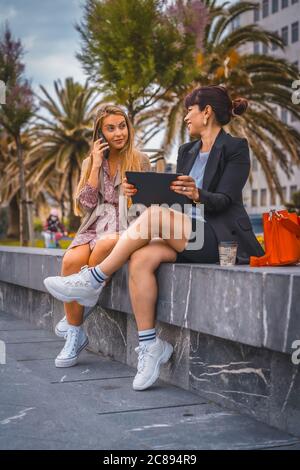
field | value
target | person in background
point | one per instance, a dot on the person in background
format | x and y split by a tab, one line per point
54	230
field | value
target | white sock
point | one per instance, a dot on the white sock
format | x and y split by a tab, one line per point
97	277
147	336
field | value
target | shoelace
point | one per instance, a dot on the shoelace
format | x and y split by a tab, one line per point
71	341
142	352
69	280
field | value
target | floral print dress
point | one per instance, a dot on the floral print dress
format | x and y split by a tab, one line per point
108	222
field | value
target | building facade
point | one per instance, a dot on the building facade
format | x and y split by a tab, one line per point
283	17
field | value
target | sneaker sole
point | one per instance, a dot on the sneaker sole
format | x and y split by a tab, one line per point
163	359
73	361
64	298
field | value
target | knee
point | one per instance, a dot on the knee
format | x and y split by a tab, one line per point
139	263
69	265
136	261
155	211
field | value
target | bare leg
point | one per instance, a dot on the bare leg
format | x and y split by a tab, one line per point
73	260
103	248
142	280
142	231
78	257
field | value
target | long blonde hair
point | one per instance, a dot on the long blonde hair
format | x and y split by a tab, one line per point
131	158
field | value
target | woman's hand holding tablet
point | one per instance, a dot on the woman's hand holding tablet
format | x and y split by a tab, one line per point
128	189
186	185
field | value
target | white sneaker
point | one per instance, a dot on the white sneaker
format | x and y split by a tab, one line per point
76	341
62	326
74	287
149	361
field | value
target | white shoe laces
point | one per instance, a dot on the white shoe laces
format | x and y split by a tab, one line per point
71	337
142	352
76	280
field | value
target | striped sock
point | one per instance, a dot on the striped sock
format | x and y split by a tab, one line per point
97	277
147	336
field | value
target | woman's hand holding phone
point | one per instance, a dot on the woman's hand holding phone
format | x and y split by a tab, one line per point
98	152
128	189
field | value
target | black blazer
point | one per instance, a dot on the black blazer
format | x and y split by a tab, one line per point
225	175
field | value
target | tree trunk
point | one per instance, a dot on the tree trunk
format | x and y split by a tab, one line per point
13	230
74	221
62	208
131	111
25	230
29	212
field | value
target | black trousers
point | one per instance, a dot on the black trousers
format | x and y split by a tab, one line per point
209	253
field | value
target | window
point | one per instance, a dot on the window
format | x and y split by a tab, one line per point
256	48
265	9
236	23
273	197
275	114
284	3
274	46
293	118
284	115
254	198
256	14
263	197
285	35
293	190
283	189
265	49
275	6
295	31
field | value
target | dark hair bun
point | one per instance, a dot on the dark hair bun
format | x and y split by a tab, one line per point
239	106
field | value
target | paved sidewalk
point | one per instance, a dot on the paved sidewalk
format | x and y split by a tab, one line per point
93	405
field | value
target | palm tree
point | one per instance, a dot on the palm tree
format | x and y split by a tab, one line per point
10	192
264	80
15	117
294	204
62	140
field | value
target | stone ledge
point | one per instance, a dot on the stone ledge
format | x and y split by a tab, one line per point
253	306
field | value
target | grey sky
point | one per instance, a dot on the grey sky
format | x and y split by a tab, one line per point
46	29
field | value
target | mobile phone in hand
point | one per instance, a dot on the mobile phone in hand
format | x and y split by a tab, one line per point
101	136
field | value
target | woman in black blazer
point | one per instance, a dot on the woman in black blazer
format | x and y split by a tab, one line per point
214	177
225	175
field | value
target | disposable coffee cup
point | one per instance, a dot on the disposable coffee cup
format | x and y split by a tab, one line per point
227	253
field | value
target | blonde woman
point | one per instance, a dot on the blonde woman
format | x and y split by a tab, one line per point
99	200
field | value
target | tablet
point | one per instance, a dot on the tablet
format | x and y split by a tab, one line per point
154	188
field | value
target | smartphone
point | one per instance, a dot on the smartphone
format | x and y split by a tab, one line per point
101	136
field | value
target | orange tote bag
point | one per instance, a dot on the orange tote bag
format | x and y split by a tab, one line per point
282	239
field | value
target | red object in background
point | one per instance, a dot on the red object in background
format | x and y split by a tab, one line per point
281	238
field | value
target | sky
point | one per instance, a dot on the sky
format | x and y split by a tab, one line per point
46	29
